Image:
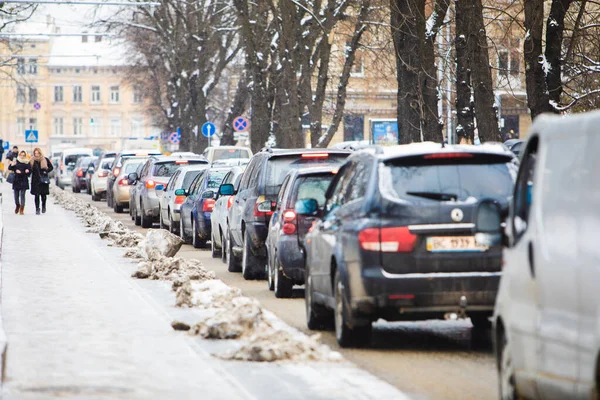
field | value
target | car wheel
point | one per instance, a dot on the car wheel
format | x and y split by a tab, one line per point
284	286
506	370
118	209
146	221
172	227
75	190
223	249
160	219
182	234
481	322
137	218
233	263
347	336
269	271
215	252
317	316
89	189
250	263
109	199
196	241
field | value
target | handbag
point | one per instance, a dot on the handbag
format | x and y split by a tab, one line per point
45	180
10	178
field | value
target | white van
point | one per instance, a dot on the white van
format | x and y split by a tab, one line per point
547	315
68	158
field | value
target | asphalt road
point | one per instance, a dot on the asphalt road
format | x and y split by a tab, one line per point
426	359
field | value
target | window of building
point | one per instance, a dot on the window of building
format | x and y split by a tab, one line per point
58	94
96	94
515	57
20	126
98	39
77	94
84	39
137	96
95	126
137	127
33	66
33	95
20	66
358	67
115	127
509	59
59	126
32	123
114	94
77	126
21	95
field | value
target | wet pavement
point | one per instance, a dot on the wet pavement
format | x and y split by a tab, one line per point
426	359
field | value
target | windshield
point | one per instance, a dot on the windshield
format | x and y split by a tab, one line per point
224	154
132	167
215	178
278	168
71	160
188	178
449	181
312	187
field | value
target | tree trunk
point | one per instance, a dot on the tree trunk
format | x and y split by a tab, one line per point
554	43
464	105
538	99
486	113
239	107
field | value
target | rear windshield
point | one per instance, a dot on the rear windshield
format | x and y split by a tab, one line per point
168	168
132	167
188	178
215	178
224	154
460	181
71	160
278	168
107	163
312	187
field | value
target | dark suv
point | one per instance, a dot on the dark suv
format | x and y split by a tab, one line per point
395	240
285	248
255	200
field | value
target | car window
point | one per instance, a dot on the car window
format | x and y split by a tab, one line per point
336	198
311	187
107	163
357	185
226	154
284	186
524	187
194	187
228	178
189	178
249	172
237	179
145	169
255	175
173	179
214	179
132	167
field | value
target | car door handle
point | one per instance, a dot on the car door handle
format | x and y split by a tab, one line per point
530	255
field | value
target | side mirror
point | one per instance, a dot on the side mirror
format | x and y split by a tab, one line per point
91	170
180	192
226	189
160	187
132	177
306	207
488	224
209	194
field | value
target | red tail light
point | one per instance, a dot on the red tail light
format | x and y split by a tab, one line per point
289	222
124	182
230	201
315	155
447	155
208	205
116	171
150	184
102	174
289	228
179	199
263	207
388	240
289	216
80	172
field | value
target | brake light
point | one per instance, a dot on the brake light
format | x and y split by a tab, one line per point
181	162
438	156
208	205
150	184
289	222
403	296
124	182
289	216
62	167
230	201
263	207
116	171
102	174
387	240
289	228
179	199
80	172
315	155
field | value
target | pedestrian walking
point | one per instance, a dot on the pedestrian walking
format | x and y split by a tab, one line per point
20	166
11	155
40	182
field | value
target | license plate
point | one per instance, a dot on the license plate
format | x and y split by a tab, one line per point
444	244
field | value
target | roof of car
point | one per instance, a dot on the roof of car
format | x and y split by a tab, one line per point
178	158
415	149
284	152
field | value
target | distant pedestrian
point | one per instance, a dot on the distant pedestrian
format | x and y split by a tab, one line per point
20	166
40	182
11	155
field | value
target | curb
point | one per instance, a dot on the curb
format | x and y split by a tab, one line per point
3	338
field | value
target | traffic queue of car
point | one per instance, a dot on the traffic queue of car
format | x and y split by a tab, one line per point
412	232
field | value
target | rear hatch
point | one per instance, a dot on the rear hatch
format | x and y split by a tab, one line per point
69	164
164	170
429	205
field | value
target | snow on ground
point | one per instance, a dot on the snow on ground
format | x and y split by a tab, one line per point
262	336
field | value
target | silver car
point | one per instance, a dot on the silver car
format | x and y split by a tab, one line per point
169	202
100	178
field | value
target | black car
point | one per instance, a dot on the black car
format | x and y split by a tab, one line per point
395	240
285	249
79	179
254	201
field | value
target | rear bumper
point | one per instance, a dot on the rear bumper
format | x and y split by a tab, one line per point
418	296
99	185
121	195
204	227
291	258
151	205
257	232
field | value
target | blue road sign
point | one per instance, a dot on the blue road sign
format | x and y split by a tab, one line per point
6	145
240	124
31	136
209	129
175	137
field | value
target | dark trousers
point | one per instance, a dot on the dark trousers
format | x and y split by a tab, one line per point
37	201
20	197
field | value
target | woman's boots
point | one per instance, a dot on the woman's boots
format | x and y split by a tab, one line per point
21	211
17	208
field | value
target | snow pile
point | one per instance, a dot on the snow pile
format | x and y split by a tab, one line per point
157	244
240	317
171	269
208	294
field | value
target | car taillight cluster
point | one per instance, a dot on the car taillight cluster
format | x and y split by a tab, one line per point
230	201
387	240
124	182
263	207
150	184
289	222
208	205
116	172
102	174
179	199
80	172
62	167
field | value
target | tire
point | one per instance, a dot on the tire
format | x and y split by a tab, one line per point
109	199
356	336
146	222
481	322
94	197
214	251
172	227
160	220
118	209
75	189
137	219
196	241
317	316
182	234
270	277
283	286
223	249
233	263
506	371
89	189
250	263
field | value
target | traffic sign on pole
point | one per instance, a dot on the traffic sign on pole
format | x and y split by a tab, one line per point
31	136
175	137
240	124
209	129
37	106
6	145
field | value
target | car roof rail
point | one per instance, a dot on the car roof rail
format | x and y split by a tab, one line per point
267	149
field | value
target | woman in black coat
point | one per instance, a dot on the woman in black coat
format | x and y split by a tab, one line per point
20	166
40	183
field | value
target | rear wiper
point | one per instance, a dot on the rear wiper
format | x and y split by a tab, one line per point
434	195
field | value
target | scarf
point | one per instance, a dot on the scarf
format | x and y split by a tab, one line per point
41	159
23	160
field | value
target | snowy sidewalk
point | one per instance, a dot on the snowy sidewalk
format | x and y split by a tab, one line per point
79	326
